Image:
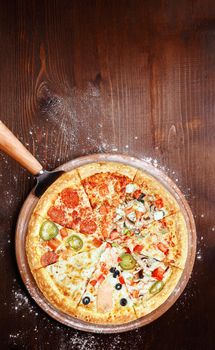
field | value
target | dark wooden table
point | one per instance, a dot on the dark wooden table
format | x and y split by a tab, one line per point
132	77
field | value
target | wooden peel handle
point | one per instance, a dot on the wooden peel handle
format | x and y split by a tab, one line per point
15	149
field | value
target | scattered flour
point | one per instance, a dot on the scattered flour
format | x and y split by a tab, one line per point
199	254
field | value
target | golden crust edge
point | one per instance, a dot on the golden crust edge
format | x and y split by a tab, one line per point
181	233
104	167
94	317
31	243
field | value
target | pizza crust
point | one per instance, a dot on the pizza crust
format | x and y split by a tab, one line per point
113	317
34	250
95	168
180	230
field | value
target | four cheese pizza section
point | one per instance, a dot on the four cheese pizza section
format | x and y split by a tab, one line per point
107	243
64	281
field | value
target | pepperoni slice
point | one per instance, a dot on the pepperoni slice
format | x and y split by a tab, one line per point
88	227
70	197
48	258
57	214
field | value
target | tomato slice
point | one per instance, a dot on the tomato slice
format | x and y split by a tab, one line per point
101	278
163	248
137	194
128	250
104	269
93	283
63	232
138	248
163	221
159	203
70	197
121	280
88	227
97	242
158	273
53	243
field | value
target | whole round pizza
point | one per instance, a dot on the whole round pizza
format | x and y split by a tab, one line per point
107	243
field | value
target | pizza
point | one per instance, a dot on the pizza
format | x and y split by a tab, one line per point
107	243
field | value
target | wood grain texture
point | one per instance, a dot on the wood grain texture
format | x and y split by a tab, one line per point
134	77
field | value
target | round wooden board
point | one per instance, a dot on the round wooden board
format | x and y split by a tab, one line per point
21	231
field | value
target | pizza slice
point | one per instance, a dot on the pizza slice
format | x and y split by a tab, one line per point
47	241
106	299
105	185
149	283
66	203
164	240
64	282
159	199
145	201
